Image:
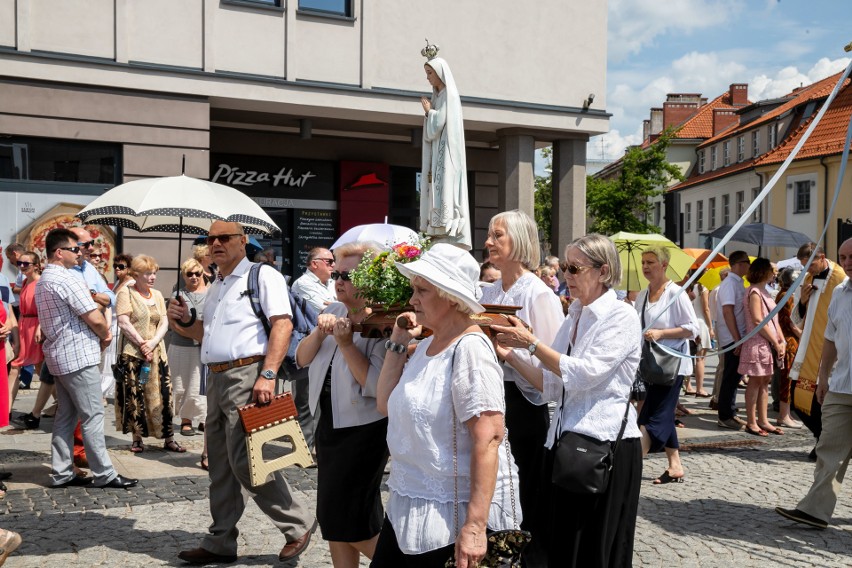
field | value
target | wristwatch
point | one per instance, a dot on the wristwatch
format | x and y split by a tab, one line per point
268	374
533	346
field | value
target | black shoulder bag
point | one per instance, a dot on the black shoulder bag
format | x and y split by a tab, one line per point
656	366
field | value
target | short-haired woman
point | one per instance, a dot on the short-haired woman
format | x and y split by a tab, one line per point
143	392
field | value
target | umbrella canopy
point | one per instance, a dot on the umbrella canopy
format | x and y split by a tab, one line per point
712	277
630	247
794	262
176	204
382	233
700	255
764	235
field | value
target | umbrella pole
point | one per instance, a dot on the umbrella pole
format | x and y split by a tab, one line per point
192	313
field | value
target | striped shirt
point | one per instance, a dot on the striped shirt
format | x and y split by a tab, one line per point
69	343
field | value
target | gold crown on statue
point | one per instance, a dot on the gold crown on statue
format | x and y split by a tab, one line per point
430	52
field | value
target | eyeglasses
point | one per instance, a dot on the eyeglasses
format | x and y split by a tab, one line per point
194	274
118	266
327	261
573	269
23	263
73	250
340	275
221	238
86	244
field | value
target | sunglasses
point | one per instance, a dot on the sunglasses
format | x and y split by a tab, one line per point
86	244
573	269
224	239
74	250
327	261
340	275
118	266
23	263
194	274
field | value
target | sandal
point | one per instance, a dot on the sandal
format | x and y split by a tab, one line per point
186	429
758	432
136	447
772	430
667	478
702	394
204	464
172	446
679	424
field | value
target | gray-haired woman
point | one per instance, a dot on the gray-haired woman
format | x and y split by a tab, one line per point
588	370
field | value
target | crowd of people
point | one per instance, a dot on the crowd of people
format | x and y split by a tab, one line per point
471	422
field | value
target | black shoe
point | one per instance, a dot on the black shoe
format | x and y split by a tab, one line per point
30	421
120	482
801	517
202	556
5	475
75	482
812	455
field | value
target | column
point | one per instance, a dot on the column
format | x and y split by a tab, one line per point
515	190
568	219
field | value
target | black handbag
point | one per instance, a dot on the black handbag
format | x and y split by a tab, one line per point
656	366
504	548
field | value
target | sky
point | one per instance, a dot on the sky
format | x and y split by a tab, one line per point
657	47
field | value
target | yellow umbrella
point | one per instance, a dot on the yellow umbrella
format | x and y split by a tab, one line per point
711	277
630	247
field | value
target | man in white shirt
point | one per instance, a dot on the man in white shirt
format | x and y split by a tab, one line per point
834	447
730	313
316	287
243	364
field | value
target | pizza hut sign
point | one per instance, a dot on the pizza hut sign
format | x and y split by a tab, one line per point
285	177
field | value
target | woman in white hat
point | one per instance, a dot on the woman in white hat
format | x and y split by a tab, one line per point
451	477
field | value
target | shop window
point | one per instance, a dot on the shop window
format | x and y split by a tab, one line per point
333	7
37	159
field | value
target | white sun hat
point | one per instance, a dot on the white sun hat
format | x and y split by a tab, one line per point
451	269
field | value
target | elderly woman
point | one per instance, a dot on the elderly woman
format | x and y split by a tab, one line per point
588	370
792	333
757	359
143	393
671	326
185	354
451	477
351	444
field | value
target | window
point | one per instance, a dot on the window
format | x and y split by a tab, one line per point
726	153
757	216
755	143
772	136
740	203
741	148
42	159
713	157
701	161
270	3
687	218
802	197
726	209
335	7
699	215
711	205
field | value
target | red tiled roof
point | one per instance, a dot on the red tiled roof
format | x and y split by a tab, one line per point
827	138
701	124
713	174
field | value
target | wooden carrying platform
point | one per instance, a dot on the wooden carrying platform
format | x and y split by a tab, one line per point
262	424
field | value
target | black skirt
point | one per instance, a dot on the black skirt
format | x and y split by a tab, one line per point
350	465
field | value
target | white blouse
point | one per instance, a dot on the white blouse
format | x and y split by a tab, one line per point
420	440
540	309
595	380
680	314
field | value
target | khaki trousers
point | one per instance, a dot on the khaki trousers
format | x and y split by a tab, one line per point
230	483
833	452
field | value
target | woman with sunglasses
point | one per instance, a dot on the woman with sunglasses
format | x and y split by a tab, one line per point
29	332
185	355
121	269
143	394
351	434
513	248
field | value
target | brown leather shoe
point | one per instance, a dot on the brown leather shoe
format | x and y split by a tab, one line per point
292	550
201	556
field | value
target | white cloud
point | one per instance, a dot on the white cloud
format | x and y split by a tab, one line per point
612	144
635	25
785	80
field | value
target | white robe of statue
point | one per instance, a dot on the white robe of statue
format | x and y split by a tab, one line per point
444	212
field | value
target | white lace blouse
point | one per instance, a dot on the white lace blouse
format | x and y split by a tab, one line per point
420	439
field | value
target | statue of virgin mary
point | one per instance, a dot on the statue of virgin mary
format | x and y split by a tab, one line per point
444	212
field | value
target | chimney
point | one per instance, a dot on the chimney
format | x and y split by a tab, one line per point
656	121
723	118
680	107
646	129
738	93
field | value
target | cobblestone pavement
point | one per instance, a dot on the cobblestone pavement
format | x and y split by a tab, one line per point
721	516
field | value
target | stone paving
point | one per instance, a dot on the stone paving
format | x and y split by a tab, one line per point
721	516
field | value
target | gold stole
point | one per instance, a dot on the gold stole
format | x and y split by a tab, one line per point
807	366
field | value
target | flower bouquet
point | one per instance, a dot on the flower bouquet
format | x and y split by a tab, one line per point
377	279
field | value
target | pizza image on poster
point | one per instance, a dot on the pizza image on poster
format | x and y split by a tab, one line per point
62	216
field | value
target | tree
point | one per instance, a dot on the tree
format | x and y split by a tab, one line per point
543	198
622	203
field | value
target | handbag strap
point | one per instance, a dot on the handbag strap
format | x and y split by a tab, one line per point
768	309
456	451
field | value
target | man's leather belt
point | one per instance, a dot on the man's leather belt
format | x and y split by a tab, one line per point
227	365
